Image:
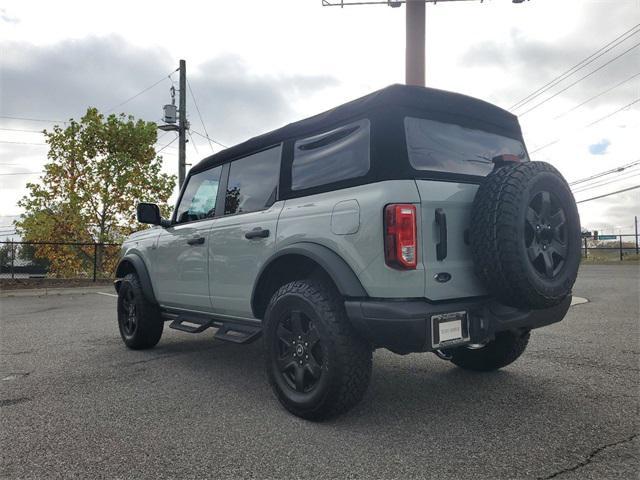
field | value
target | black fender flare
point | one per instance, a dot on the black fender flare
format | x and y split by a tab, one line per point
345	280
135	261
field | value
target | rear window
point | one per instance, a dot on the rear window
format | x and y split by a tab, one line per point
446	147
332	156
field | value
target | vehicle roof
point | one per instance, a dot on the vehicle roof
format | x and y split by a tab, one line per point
392	101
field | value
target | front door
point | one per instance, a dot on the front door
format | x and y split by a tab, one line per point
181	276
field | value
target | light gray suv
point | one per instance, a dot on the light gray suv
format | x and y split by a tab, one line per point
409	219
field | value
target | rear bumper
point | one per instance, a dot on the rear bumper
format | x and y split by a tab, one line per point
404	326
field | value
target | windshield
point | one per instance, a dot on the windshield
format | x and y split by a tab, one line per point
446	147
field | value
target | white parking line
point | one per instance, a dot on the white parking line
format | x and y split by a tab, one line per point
107	294
578	300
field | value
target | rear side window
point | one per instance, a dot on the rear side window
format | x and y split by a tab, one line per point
199	198
253	182
332	156
446	147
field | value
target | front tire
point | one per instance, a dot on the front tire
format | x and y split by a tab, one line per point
316	364
139	320
505	349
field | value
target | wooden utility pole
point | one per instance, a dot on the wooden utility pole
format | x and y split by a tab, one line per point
182	124
415	43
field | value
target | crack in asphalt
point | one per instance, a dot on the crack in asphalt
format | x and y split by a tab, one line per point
13	401
589	458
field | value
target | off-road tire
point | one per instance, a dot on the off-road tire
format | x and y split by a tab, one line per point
346	358
499	232
504	350
148	323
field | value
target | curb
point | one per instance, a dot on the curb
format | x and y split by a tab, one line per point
42	292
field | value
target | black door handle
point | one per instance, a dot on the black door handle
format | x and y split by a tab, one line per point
257	232
441	223
196	241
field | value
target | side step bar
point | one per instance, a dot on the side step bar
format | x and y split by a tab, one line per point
228	331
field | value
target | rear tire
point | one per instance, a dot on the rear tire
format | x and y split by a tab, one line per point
139	320
505	349
316	364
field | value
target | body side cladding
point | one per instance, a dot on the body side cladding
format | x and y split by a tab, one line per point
335	267
133	262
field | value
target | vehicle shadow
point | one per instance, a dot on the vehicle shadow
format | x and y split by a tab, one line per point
414	389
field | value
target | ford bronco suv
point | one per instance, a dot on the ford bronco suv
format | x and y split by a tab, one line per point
410	219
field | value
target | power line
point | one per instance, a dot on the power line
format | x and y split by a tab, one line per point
32	119
607	181
579	80
161	149
598	95
20	130
609	194
199	114
601	174
209	138
578	66
140	92
193	143
588	125
22	143
22	173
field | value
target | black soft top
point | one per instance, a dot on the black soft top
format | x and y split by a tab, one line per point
386	109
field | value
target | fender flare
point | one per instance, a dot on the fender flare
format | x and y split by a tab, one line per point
140	268
345	280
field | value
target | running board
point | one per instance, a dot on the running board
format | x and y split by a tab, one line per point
227	330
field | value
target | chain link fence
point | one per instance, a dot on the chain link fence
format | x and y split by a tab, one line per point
62	260
611	247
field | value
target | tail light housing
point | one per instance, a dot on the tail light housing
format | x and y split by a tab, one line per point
400	239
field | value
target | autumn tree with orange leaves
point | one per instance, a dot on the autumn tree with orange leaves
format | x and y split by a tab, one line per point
98	169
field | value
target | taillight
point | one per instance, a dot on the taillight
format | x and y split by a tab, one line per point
400	241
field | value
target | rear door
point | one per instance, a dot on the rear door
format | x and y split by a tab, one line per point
457	158
245	236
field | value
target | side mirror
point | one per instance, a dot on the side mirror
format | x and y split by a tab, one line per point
149	213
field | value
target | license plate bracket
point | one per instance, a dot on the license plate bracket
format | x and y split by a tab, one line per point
449	329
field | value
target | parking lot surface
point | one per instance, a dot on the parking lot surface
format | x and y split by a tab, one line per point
75	403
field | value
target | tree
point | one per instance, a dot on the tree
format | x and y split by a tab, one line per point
98	169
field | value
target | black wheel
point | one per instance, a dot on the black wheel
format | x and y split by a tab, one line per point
316	364
138	319
525	235
504	350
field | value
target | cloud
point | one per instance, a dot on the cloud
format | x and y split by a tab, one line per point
599	148
61	80
5	17
531	61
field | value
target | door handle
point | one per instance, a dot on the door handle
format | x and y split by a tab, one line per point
441	223
196	241
257	232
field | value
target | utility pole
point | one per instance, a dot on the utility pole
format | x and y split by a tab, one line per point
415	43
179	116
415	34
636	221
182	124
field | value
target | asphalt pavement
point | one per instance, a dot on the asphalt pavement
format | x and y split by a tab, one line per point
75	403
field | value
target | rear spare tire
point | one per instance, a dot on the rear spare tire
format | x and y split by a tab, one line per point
525	235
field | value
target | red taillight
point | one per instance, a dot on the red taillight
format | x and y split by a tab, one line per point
400	241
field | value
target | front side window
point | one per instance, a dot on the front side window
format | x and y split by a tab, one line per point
253	182
332	156
199	198
447	147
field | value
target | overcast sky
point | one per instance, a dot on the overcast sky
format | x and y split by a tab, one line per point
256	65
